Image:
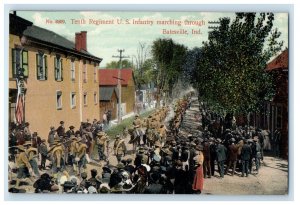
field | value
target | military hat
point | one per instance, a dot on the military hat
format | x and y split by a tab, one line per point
120	166
26	123
71	127
83	175
21	147
141	150
72	137
157	144
101	133
61	122
35	133
150	116
118	136
52	128
167	151
27	143
136	115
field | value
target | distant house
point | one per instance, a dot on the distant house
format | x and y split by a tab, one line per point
109	100
108	80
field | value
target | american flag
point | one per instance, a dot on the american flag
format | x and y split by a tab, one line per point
19	113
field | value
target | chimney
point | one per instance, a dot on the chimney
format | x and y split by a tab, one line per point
77	41
83	40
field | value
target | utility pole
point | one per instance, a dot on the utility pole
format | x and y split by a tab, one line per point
119	83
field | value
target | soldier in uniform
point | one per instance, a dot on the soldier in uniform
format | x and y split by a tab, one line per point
61	129
80	157
70	131
43	150
73	151
119	148
101	143
51	136
27	132
24	167
137	123
32	154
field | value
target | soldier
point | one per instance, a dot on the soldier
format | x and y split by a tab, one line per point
119	148
27	132
137	123
51	136
70	131
32	154
101	142
24	167
80	157
73	151
43	150
56	155
61	129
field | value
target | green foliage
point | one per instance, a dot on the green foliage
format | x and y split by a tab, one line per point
149	73
116	64
168	57
231	73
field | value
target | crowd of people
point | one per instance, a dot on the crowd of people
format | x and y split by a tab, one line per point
165	160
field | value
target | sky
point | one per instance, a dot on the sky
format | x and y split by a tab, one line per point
109	31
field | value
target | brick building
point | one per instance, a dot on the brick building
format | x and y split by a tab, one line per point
60	76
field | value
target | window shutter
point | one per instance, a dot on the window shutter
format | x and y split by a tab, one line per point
46	67
37	67
55	69
25	63
14	66
61	68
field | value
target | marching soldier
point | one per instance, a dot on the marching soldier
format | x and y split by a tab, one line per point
119	148
32	154
80	157
137	123
24	167
43	150
101	142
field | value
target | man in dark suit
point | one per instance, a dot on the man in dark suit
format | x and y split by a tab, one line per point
245	157
221	152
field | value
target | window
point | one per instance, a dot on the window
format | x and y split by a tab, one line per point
58	100
41	66
95	98
85	99
84	72
73	70
58	69
19	63
95	74
73	100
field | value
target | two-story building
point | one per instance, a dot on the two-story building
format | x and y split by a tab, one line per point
108	83
59	77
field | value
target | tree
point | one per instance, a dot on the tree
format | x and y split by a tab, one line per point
168	58
231	71
116	64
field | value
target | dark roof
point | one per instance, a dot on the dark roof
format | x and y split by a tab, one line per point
280	62
106	93
47	37
109	76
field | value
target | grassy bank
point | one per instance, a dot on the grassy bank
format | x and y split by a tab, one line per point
113	131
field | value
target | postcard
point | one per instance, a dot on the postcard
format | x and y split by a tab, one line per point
128	102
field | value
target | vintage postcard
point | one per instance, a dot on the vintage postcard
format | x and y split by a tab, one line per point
148	102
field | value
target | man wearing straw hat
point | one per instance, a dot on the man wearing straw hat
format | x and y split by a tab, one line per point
24	167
